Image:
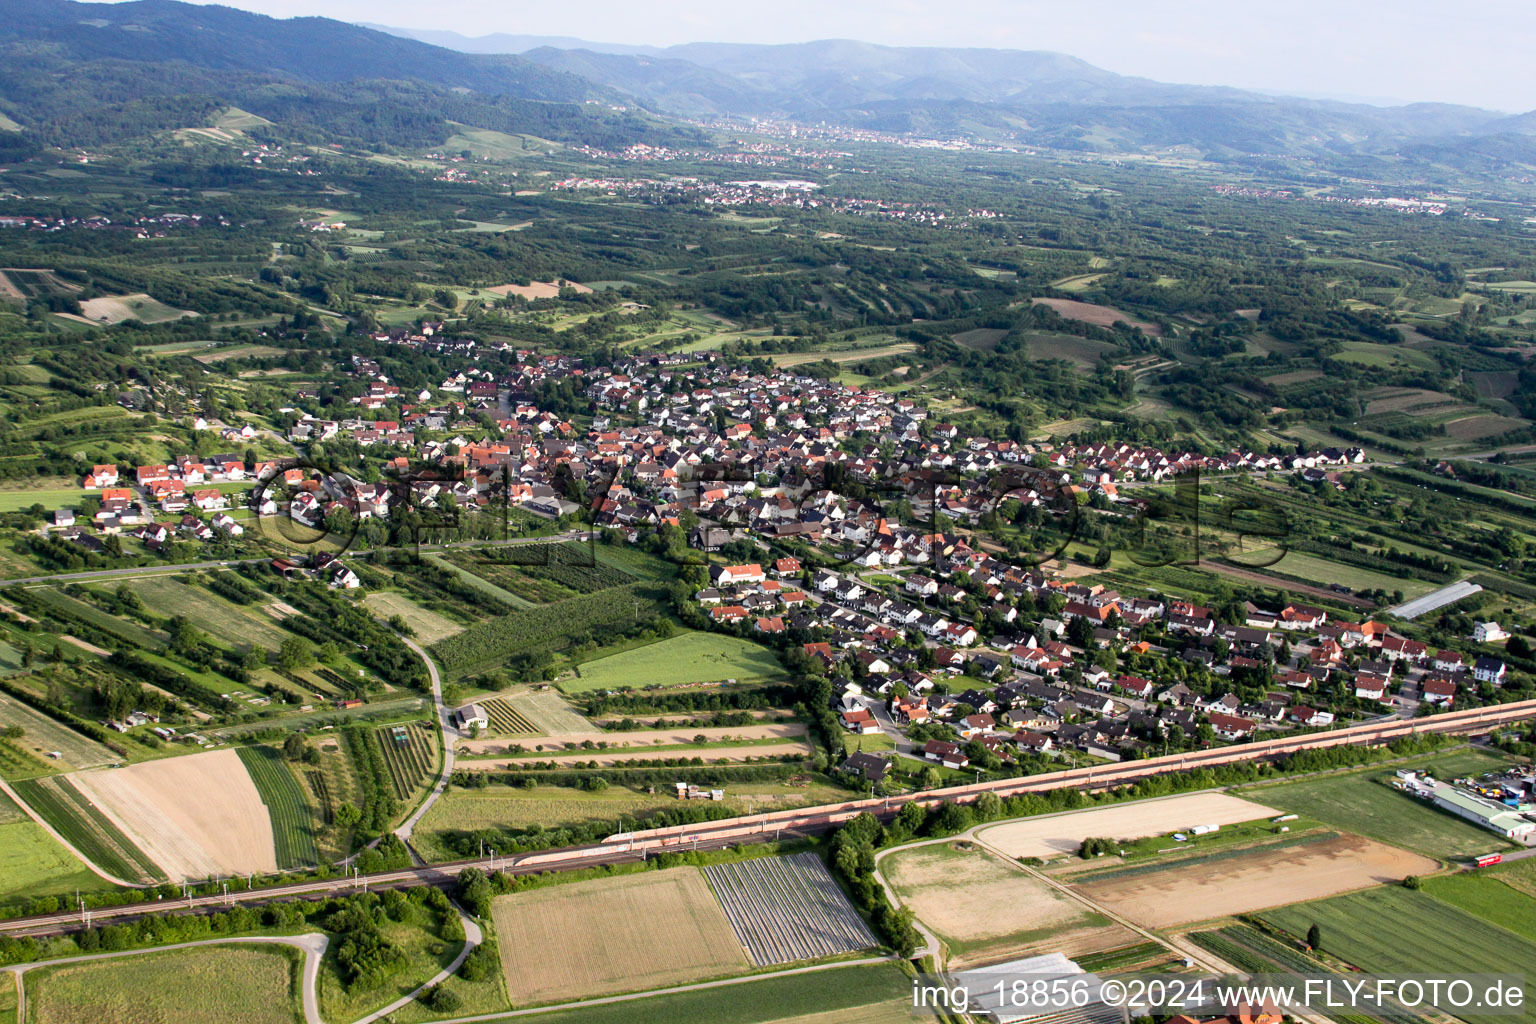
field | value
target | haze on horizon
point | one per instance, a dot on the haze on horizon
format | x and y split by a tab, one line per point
1380	51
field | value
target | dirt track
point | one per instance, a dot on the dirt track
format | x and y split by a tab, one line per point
1254	576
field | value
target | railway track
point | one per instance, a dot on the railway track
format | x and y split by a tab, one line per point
628	847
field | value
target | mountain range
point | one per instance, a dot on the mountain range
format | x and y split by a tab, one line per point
79	73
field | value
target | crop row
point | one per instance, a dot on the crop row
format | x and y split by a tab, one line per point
321	787
409	760
784	909
506	719
77	820
293	820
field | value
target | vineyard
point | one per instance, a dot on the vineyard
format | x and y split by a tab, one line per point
409	754
86	829
293	820
547	627
507	719
320	786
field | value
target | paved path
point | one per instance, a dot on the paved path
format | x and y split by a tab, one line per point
450	735
472	938
313	945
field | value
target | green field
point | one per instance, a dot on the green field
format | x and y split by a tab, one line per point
689	658
43	735
428	626
228	622
1483	893
32	864
861	994
247	984
87	829
1323	571
293	820
1360	802
50	498
1392	930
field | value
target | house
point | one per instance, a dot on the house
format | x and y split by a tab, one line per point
972	726
786	567
869	767
1231	727
1031	742
1439	692
948	754
100	476
471	716
1482	632
1394	648
343	578
726	575
1370	687
1488	670
1300	616
859	720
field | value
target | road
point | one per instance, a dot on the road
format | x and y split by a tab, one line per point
313	946
450	735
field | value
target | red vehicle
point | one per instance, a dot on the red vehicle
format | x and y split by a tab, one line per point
1489	859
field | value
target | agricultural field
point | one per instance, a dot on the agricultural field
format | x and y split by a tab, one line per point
986	909
549	712
860	994
410	754
545	627
1099	316
1053	835
1392	930
506	720
87	829
293	819
43	736
784	909
428	626
198	816
1244	879
1488	895
687	659
249	985
231	624
114	309
33	864
1361	802
545	573
617	934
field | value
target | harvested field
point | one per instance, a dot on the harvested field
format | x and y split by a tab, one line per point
784	909
42	736
1253	880
639	739
536	290
551	714
1099	316
985	908
197	817
429	626
114	309
610	935
1056	834
708	755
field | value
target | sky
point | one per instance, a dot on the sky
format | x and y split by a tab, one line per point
1362	50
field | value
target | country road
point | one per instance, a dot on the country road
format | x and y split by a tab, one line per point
450	734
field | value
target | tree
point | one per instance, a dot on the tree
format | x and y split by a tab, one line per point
294	746
1314	936
348	816
295	653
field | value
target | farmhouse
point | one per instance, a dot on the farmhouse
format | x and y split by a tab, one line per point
471	716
